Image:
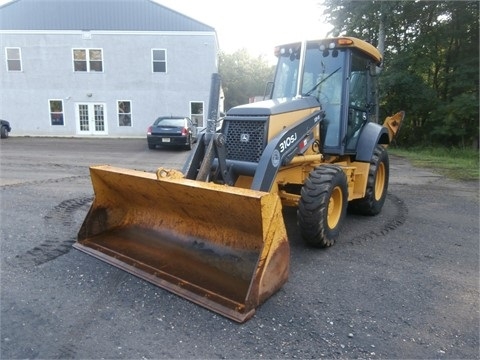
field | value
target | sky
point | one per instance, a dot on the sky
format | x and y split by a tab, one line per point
255	25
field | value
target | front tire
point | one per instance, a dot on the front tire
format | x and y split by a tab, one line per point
377	185
323	205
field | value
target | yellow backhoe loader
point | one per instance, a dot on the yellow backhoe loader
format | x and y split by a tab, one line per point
214	232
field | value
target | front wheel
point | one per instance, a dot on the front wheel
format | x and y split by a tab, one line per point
323	205
377	185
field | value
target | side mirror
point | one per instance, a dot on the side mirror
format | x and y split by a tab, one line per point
375	70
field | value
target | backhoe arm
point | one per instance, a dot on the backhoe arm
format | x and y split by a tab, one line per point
393	124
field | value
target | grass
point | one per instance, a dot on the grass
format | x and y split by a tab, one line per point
458	164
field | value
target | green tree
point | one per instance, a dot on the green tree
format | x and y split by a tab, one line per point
431	63
243	76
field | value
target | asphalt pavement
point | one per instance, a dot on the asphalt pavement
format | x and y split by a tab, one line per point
400	285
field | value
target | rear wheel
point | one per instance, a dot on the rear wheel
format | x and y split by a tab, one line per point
189	143
322	206
377	185
3	132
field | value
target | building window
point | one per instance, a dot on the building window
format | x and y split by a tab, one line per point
159	60
196	112
88	60
56	112
14	59
124	109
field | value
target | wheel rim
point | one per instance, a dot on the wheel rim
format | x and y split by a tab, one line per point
380	181
335	207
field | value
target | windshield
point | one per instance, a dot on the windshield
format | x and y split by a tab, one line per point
321	76
286	75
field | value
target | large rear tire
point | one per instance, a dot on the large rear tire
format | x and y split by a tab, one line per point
323	205
377	185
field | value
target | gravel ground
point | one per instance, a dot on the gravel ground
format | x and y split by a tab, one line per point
403	284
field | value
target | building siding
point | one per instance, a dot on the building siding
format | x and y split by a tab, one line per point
48	74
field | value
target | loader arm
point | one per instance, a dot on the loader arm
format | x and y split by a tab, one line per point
282	149
214	150
208	154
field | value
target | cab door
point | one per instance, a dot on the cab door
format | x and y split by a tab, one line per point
361	99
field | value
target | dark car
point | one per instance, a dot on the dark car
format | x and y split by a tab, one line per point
4	129
172	131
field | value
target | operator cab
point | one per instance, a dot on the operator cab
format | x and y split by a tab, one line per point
340	74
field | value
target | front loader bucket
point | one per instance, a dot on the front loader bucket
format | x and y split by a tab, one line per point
224	248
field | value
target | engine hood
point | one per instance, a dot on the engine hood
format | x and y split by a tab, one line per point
273	107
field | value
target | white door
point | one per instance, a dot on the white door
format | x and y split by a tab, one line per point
91	119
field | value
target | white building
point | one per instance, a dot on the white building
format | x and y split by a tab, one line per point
101	67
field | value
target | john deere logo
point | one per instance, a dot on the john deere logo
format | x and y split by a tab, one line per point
244	138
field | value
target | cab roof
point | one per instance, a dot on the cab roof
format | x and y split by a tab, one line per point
340	42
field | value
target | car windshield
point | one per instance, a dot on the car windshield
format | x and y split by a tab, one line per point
170	122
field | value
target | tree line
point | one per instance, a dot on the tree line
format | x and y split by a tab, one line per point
430	68
243	76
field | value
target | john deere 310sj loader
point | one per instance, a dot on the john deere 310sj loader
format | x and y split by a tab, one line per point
214	232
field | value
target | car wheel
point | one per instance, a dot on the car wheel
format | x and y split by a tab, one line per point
189	143
3	132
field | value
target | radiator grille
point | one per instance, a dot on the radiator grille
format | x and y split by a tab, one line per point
245	139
